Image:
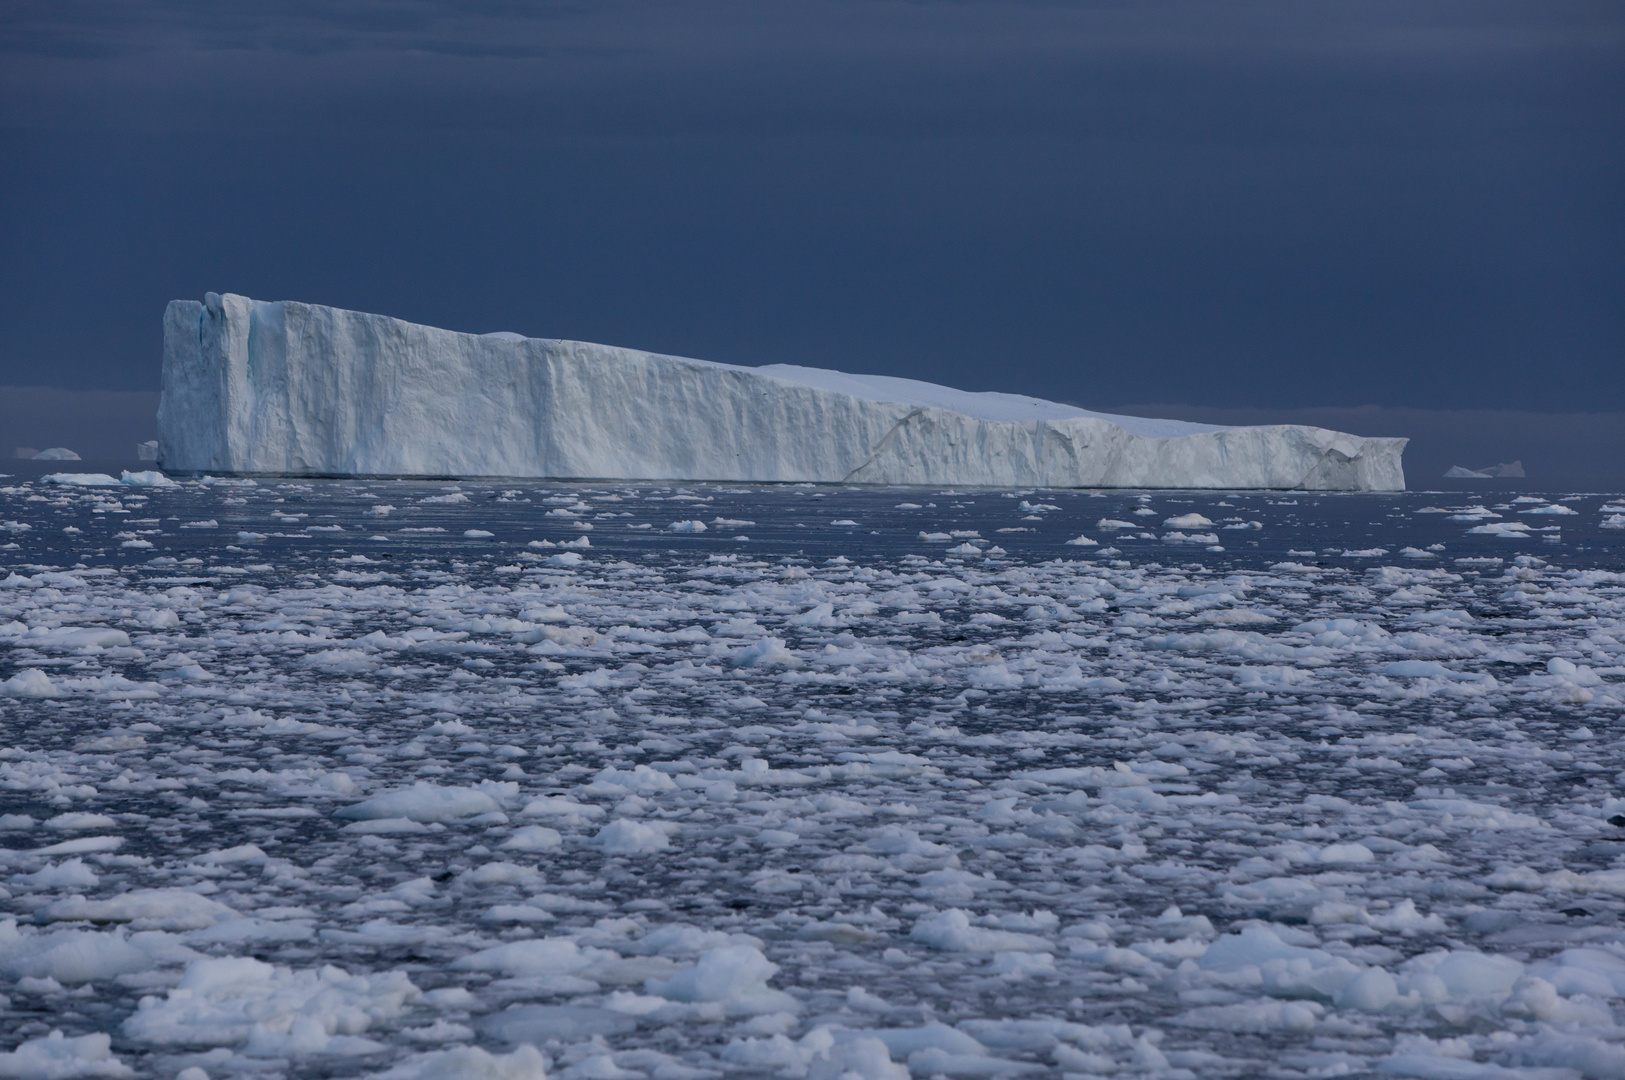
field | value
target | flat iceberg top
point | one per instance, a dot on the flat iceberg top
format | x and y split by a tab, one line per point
986	405
981	405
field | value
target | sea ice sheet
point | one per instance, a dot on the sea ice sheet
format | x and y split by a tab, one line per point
358	779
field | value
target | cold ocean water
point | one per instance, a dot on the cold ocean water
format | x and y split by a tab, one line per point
348	778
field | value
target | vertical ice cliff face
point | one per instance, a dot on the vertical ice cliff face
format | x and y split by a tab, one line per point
299	389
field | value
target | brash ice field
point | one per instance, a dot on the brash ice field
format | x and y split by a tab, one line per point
421	780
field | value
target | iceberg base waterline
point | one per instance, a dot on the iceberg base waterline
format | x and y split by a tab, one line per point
294	389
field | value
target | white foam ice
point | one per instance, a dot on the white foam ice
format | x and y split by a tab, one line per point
470	1063
294	388
733	976
626	837
55	1057
269	1011
76	956
423	802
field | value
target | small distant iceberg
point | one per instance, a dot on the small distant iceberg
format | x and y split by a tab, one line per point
286	388
1490	472
56	453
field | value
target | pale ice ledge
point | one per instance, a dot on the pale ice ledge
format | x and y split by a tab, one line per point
287	388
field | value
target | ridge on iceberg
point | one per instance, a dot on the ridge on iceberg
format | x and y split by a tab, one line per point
287	388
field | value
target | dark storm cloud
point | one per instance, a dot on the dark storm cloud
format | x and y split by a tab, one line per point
1272	204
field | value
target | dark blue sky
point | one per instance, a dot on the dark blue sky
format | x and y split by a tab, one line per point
1279	204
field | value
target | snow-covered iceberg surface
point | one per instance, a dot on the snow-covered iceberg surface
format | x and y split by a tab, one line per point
299	389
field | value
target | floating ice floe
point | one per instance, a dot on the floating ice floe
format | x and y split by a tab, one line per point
270	1011
55	1057
1057	812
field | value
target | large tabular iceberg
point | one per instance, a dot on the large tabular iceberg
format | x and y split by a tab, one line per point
299	389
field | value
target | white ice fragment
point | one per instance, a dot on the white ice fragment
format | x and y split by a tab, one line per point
1346	853
936	1062
682	939
777	1054
87	479
1373	990
81	845
1259	957
81	956
767	652
76	637
817	615
29	683
272	1011
638	780
734	976
562	808
624	836
143	909
951	930
1460	974
1595	972
1565	1054
1089	776
1507	530
855	1056
544	613
532	838
471	1063
71	874
503	873
423	802
55	1057
537	956
1255	1017
79	821
385	826
147	478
